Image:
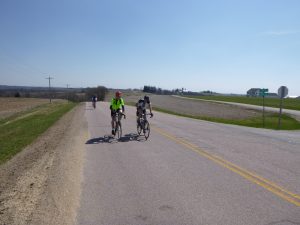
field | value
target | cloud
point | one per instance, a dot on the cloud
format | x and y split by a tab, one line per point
280	33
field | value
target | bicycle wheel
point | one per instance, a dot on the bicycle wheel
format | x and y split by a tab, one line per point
146	129
119	130
139	128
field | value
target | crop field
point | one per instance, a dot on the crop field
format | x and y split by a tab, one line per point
13	106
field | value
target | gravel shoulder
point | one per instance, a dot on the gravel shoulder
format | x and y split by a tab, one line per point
41	184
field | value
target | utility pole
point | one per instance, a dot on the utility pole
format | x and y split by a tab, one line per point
68	92
49	78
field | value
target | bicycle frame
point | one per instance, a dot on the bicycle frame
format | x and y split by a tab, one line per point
118	124
144	125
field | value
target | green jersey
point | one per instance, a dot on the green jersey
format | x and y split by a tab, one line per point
117	103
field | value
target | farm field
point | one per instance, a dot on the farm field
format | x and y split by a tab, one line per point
288	103
12	106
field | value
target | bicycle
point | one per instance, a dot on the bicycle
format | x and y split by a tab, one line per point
143	125
94	104
118	127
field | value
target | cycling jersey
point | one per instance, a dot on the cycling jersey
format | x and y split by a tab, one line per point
141	104
117	104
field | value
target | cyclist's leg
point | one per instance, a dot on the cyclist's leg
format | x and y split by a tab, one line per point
139	114
138	120
119	119
113	122
144	114
145	119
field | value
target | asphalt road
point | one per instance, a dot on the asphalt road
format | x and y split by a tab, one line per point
189	172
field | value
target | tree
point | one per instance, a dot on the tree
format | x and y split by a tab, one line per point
99	91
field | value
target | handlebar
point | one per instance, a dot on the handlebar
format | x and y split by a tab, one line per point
122	114
149	114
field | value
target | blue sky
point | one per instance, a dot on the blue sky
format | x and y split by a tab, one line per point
227	46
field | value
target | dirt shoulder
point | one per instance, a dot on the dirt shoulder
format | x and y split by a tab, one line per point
41	184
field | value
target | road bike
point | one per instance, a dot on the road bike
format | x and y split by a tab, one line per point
118	126
94	104
143	125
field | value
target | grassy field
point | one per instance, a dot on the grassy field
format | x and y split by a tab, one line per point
20	129
271	120
288	103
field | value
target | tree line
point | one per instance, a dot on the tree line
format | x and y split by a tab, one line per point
177	91
71	94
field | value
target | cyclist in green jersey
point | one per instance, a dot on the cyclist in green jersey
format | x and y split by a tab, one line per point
116	105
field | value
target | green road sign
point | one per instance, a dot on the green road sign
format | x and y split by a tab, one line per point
263	92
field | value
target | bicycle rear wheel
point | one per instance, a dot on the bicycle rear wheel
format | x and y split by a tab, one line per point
147	129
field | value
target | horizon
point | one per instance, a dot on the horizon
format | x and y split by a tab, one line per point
140	89
225	47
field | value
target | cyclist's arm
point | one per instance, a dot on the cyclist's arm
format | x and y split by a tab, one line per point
111	104
123	105
150	107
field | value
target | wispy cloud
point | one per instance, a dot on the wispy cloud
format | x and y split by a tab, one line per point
279	33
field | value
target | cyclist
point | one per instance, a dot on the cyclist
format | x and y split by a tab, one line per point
141	106
116	105
94	100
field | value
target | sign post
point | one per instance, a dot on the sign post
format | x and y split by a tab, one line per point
263	92
282	92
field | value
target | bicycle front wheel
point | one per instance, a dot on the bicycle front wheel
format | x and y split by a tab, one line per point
139	129
119	130
147	130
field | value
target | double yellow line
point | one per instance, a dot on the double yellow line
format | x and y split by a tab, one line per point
270	186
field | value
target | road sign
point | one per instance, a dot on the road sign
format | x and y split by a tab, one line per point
263	92
283	91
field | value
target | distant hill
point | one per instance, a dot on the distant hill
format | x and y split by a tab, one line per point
32	88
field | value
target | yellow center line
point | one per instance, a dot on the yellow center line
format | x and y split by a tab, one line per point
270	186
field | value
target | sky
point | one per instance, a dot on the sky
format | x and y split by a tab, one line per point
225	46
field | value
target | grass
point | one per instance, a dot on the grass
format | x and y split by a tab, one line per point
17	115
288	103
16	132
271	120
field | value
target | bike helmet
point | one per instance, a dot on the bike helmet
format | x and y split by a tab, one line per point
118	94
146	98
